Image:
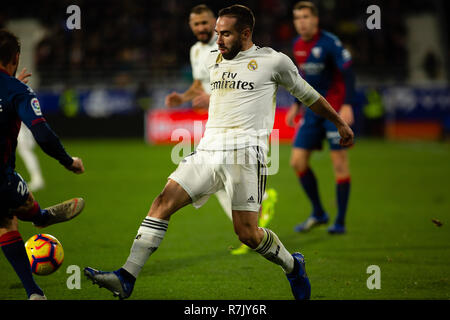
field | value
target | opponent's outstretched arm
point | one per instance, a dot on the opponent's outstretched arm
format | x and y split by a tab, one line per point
323	109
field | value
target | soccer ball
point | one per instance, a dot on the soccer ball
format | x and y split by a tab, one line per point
45	253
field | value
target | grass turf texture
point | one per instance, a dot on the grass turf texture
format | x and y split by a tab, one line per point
397	189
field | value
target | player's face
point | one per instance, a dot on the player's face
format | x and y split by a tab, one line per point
202	25
305	22
229	39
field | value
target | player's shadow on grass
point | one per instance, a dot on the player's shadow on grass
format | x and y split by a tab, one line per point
299	240
161	266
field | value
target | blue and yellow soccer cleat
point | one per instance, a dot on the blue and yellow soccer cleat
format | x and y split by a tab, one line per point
298	279
113	281
311	222
268	208
243	249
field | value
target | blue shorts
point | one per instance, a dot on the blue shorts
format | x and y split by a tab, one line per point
13	193
314	130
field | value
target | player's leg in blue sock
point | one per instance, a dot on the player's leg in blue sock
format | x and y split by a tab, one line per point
342	173
342	195
14	249
309	182
31	211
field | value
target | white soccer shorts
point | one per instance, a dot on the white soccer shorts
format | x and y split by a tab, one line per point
241	173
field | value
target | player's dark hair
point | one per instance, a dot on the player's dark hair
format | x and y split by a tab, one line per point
244	16
199	9
9	46
307	5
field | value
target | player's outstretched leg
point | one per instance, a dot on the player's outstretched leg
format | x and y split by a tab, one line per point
61	212
121	282
267	212
149	236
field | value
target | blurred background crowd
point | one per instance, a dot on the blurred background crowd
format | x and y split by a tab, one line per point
144	46
150	39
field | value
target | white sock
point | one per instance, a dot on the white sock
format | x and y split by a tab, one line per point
273	250
148	238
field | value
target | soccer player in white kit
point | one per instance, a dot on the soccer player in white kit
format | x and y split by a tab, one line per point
244	81
25	148
202	22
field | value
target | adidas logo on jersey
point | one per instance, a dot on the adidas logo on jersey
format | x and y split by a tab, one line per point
251	200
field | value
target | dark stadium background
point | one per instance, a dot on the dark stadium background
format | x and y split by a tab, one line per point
141	48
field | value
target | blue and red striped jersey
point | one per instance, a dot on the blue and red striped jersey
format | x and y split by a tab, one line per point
18	103
326	65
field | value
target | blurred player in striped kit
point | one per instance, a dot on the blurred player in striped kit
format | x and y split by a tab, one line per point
326	65
202	22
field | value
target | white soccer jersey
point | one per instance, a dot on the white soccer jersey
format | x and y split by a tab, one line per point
243	97
198	54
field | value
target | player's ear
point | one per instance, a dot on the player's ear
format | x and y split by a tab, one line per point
246	34
15	61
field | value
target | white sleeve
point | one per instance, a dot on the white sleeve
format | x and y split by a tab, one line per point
286	74
199	70
193	64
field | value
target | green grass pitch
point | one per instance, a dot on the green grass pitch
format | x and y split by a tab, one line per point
397	189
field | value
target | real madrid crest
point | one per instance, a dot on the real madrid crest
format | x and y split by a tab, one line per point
252	65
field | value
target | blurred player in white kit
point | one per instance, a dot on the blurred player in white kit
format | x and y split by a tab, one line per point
25	148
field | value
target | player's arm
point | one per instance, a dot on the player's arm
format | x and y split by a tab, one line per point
174	99
343	61
29	112
287	75
324	109
293	111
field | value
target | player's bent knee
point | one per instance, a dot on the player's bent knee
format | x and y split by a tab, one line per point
247	237
299	160
8	224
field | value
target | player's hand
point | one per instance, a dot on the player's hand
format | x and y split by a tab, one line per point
201	101
291	114
174	99
346	113
346	134
77	166
24	76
